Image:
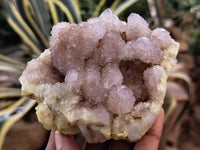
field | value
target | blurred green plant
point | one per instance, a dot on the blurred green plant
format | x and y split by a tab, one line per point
181	5
6	32
179	10
32	20
194	42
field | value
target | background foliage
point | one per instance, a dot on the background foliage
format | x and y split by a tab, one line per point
31	21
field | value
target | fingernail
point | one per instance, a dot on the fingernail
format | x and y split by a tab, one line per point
58	141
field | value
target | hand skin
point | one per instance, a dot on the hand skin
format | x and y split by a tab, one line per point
149	141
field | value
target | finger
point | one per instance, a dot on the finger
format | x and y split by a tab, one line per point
64	142
120	145
51	142
151	140
97	146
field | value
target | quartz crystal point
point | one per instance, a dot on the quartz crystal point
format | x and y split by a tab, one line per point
103	78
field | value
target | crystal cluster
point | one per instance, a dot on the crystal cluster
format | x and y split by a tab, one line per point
103	78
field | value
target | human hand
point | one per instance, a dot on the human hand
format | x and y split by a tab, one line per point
149	141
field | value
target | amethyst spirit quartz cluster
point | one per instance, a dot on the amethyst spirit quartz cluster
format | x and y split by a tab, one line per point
103	78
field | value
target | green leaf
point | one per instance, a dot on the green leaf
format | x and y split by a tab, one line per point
98	8
11	61
10	68
8	119
41	16
53	12
40	25
184	77
13	106
169	106
122	7
16	21
65	9
114	4
187	79
10	92
74	9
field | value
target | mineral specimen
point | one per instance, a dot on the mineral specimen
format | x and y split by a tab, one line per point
103	78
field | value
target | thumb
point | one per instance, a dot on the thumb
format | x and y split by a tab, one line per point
64	142
151	140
